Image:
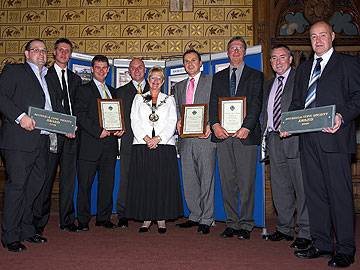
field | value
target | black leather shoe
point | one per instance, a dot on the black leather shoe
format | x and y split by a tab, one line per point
37	239
244	234
278	236
229	232
301	243
188	224
312	253
204	229
69	228
106	224
83	227
144	229
39	230
341	260
15	247
123	223
161	230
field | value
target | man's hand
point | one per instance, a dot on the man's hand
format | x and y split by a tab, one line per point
207	133
242	133
70	136
338	122
119	133
178	126
104	134
219	132
27	123
284	134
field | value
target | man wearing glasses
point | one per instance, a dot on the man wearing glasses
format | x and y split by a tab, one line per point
237	153
24	148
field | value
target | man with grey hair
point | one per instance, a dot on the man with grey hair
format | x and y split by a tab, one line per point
237	153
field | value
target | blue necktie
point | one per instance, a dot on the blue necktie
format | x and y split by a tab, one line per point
233	83
311	93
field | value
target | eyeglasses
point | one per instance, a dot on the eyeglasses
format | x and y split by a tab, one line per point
38	51
154	78
236	48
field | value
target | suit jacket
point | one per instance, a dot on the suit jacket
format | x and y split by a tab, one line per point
127	93
19	89
74	82
339	84
291	144
86	110
202	96
250	86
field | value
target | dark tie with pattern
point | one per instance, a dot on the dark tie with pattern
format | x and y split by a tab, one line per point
311	93
65	93
277	104
233	82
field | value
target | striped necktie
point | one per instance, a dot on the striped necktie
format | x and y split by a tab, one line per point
311	93
105	95
139	89
277	103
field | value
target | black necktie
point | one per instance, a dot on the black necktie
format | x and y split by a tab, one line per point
65	93
233	82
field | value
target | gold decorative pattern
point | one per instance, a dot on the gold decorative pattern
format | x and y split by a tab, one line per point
123	28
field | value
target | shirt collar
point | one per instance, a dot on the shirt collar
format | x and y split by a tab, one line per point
35	68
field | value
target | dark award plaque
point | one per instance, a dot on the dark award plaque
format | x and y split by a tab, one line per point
308	120
53	121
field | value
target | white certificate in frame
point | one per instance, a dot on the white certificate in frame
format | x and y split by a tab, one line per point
232	112
111	114
193	120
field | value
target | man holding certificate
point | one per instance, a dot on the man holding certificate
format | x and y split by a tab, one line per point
24	148
197	152
98	148
329	78
236	88
285	169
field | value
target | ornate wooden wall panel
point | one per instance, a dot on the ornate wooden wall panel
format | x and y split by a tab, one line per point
123	28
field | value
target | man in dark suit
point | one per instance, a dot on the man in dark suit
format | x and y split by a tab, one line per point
64	84
237	153
127	93
97	148
329	78
24	148
285	169
197	154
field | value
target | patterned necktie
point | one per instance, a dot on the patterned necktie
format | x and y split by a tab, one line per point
233	82
277	103
139	89
65	93
105	95
311	93
190	91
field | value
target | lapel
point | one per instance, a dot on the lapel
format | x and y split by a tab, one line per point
94	89
226	82
331	65
287	92
34	78
243	78
307	69
182	88
198	91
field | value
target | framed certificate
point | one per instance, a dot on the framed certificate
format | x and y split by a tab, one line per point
231	113
111	114
193	120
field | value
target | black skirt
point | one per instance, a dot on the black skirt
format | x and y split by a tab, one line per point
154	184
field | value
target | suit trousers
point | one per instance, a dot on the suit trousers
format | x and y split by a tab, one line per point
198	172
125	159
329	197
42	205
287	189
105	166
237	167
26	173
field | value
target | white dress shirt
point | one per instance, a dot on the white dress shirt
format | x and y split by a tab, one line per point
164	127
